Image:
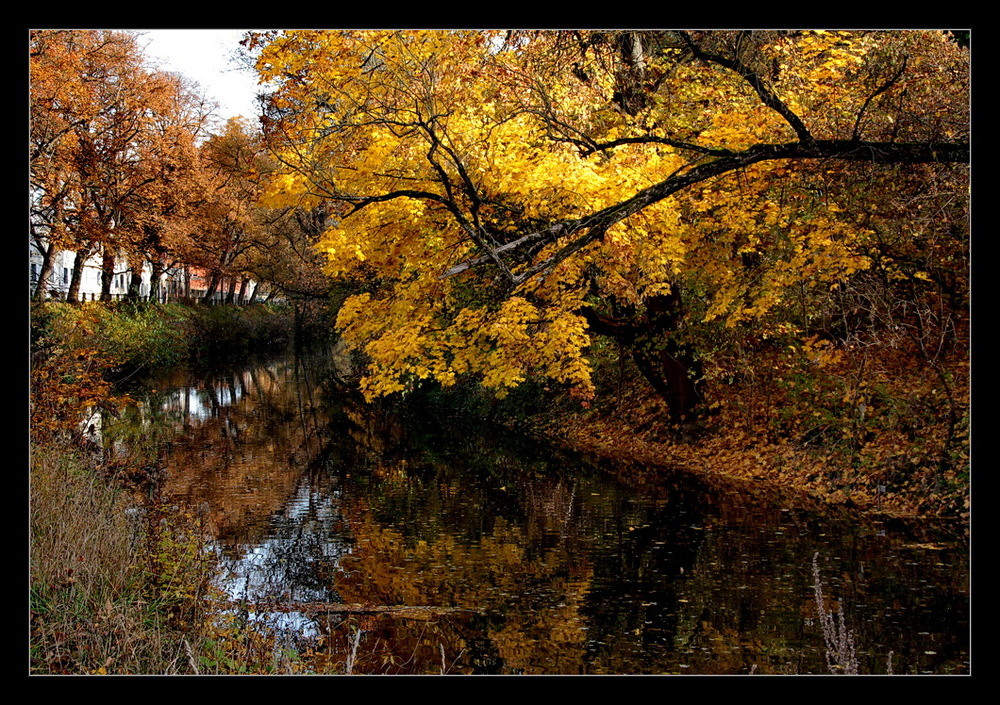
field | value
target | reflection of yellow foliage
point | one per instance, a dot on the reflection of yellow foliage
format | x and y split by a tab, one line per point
483	575
550	639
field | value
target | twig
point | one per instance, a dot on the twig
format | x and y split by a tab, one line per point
352	657
839	640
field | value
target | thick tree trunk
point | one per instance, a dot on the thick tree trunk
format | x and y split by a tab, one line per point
76	277
670	367
674	373
231	293
213	286
630	91
134	283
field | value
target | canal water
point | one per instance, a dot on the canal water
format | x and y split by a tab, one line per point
411	543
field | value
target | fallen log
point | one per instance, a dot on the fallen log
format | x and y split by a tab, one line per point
318	608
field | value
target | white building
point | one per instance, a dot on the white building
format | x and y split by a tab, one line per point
171	282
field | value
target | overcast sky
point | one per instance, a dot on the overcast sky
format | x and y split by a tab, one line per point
205	57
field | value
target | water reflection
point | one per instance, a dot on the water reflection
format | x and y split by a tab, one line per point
293	564
317	499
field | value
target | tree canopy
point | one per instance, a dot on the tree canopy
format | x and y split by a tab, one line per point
113	148
500	198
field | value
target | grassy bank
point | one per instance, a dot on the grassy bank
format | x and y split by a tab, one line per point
94	606
135	337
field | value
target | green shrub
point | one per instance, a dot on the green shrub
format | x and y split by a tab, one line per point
143	335
147	336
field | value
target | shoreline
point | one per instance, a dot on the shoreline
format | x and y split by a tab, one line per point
785	474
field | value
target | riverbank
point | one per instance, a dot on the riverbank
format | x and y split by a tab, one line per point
133	337
888	477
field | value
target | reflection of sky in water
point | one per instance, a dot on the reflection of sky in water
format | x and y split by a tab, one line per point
198	402
293	564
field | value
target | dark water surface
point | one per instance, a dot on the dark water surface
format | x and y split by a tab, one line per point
316	499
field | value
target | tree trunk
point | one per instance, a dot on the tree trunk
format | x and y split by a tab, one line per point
630	91
156	273
76	277
243	290
43	276
673	372
107	274
213	285
670	367
134	283
231	293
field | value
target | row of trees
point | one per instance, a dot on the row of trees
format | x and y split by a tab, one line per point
504	200
126	165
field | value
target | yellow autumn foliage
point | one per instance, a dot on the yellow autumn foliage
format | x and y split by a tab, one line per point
441	148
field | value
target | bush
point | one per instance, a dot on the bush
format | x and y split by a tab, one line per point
68	371
134	336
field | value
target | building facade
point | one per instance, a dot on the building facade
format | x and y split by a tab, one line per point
178	283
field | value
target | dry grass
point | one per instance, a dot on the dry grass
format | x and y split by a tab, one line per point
90	609
119	590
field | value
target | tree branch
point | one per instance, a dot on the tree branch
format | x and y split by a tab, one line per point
767	96
856	133
594	226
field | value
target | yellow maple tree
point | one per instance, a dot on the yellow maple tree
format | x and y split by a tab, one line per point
502	197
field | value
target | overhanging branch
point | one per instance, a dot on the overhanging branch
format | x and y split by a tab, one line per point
592	228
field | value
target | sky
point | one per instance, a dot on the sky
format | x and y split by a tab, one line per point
204	56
